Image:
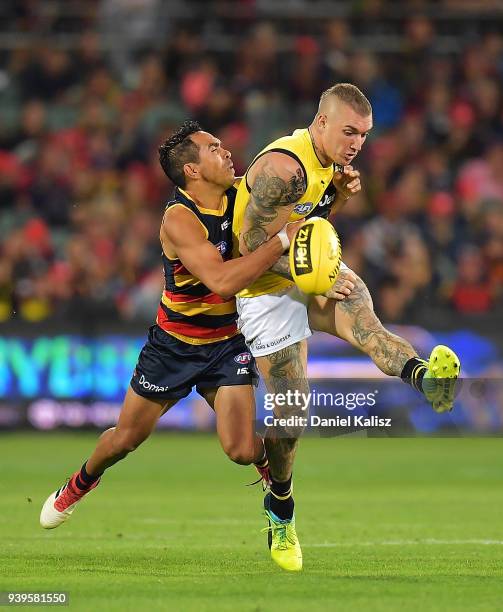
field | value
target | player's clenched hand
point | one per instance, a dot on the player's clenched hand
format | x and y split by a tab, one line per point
343	286
347	182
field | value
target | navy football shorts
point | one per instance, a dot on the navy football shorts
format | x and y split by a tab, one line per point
168	368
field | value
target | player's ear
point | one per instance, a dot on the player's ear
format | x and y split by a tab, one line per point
191	171
322	121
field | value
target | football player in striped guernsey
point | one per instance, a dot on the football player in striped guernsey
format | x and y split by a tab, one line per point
195	341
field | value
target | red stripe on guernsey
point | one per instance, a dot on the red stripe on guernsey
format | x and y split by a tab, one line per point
193	331
211	298
179	268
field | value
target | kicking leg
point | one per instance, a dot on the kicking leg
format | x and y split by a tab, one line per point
137	420
353	319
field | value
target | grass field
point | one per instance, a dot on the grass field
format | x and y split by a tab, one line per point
385	524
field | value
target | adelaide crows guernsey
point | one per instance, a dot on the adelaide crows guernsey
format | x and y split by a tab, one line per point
188	309
316	201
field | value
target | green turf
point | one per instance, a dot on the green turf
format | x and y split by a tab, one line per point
385	524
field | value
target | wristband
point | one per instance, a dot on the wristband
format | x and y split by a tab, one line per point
285	241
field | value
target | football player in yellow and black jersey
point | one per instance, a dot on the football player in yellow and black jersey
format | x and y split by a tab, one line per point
195	341
310	174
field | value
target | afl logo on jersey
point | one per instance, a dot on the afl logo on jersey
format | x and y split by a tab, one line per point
243	358
222	247
303	209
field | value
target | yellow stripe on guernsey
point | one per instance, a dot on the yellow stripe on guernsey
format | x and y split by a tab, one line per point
182	280
220	212
195	308
318	179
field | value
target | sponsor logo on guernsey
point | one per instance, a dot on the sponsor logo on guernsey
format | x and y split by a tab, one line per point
151	386
225	224
304	208
328	199
222	247
243	358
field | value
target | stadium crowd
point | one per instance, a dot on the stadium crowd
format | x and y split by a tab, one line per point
82	192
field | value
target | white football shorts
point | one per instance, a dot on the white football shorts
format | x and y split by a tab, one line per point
273	321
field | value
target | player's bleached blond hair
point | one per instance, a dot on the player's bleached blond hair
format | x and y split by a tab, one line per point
350	95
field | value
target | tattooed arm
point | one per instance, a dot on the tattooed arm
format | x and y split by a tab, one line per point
277	182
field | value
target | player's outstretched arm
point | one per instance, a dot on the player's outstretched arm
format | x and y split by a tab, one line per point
183	236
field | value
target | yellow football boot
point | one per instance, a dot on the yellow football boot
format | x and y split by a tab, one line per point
440	380
282	540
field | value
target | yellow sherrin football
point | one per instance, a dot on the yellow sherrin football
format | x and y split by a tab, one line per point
315	256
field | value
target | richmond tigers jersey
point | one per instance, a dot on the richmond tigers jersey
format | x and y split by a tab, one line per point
317	200
188	309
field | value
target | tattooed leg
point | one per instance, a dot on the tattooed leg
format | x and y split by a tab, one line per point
282	371
353	319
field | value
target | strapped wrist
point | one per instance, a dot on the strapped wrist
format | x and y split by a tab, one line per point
283	236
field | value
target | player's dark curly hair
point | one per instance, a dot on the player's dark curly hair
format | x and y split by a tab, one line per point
179	149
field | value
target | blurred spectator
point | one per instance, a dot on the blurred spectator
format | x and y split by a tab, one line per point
493	245
386	99
133	26
392	300
337	46
471	292
306	78
48	75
